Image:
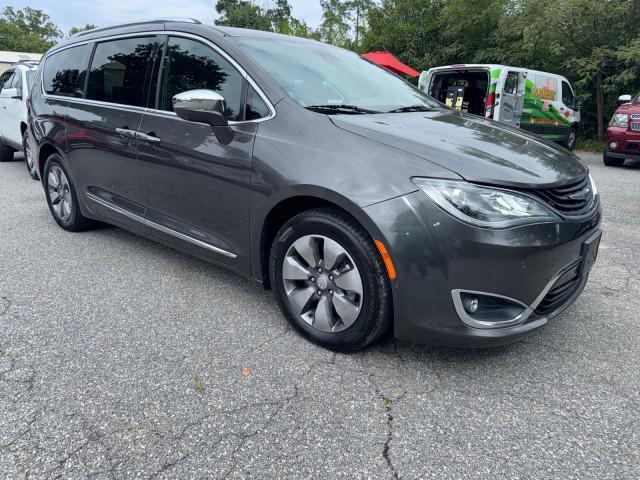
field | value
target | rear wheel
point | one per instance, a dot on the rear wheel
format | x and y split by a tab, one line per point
611	161
572	139
62	197
6	153
330	280
28	156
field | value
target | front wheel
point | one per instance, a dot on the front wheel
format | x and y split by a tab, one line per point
28	156
6	153
330	280
611	161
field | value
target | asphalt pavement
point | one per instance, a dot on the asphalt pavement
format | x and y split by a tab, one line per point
121	359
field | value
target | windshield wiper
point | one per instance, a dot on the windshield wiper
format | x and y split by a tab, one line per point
413	108
338	108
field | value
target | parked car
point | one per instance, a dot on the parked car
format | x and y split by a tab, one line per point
540	102
365	204
623	134
15	84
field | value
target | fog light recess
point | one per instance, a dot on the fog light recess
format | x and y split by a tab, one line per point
613	145
486	310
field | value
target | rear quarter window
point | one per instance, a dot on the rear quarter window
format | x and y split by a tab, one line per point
65	71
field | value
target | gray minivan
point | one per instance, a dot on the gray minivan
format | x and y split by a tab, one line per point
366	205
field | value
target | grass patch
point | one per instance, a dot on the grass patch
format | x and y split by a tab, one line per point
590	144
199	384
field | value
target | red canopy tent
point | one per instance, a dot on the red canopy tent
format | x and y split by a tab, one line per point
387	60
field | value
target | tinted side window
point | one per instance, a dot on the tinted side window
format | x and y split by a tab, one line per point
64	72
118	71
511	83
191	65
567	95
5	79
16	82
255	107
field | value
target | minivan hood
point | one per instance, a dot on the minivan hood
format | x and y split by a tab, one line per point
479	150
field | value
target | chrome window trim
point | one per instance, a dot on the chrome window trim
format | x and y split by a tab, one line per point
157	226
168	33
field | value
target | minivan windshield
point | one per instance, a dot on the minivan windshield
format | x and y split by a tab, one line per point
315	74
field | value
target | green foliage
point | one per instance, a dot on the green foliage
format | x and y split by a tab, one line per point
590	144
86	26
27	30
247	14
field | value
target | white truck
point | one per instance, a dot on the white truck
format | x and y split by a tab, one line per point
540	102
15	85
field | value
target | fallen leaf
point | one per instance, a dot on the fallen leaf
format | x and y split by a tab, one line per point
246	372
386	401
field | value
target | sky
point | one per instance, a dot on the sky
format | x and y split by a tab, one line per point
69	13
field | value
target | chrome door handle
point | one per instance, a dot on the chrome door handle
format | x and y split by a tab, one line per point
125	132
147	138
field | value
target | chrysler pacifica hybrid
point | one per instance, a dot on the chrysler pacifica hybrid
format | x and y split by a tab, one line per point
363	203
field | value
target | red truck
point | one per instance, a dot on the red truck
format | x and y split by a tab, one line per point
623	134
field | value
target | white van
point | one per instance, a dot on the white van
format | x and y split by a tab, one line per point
541	102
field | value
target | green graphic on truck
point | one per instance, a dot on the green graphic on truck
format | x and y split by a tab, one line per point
540	102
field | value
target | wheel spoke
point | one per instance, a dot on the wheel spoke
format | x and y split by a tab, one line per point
300	297
66	208
52	180
57	207
332	252
54	196
350	281
323	319
307	248
293	269
346	310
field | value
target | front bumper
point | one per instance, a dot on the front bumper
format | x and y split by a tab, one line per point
627	143
435	254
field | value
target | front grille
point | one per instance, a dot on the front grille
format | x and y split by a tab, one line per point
574	199
559	294
635	122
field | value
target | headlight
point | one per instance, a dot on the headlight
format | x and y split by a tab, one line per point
484	206
619	120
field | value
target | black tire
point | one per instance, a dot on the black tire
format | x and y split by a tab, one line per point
6	153
375	314
30	168
572	139
611	161
75	222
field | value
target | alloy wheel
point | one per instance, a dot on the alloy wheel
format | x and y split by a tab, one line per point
322	283
59	193
28	157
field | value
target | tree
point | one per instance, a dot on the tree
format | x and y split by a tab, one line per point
593	33
246	14
27	30
242	14
86	26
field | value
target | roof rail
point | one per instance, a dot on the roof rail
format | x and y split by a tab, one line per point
141	22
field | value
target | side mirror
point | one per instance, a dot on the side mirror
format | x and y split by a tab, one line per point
11	93
204	106
624	99
577	105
